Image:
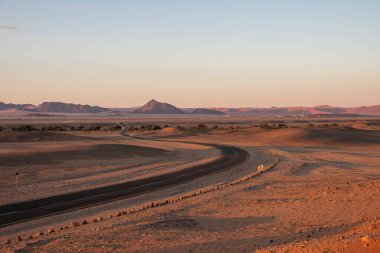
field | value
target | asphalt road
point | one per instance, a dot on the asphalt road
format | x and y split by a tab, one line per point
34	209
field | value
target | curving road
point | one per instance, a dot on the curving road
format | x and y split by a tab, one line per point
34	209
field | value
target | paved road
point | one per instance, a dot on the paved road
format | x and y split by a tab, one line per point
33	209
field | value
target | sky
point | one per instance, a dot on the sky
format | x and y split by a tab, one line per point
191	53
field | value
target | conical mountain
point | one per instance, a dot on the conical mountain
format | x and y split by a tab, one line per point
155	107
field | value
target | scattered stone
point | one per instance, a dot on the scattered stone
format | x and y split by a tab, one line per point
30	237
50	231
75	224
7	242
100	218
18	238
365	239
118	214
39	234
84	222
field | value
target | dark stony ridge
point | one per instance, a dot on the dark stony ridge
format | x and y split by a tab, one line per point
155	107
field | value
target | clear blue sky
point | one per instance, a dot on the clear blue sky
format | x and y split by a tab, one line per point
191	52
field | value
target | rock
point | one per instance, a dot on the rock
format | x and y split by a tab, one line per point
50	231
118	214
7	242
84	222
18	238
365	239
75	224
39	234
100	218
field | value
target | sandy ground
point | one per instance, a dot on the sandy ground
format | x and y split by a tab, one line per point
323	196
54	163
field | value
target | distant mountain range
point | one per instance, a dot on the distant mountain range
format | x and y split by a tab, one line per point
155	107
207	111
69	108
54	107
293	111
19	107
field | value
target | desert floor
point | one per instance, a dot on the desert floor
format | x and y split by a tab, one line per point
322	196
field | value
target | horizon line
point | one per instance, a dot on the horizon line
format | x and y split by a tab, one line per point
187	107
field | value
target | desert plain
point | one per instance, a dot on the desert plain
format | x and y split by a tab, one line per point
319	192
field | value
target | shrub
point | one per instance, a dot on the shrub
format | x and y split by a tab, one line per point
146	127
282	125
55	128
24	128
114	128
133	128
94	128
202	127
156	127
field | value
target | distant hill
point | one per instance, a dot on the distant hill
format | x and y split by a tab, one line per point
53	107
155	107
368	110
293	111
20	107
205	111
69	108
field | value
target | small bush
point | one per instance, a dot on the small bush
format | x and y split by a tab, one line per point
94	128
113	128
25	128
202	127
156	127
282	125
133	128
146	127
55	128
